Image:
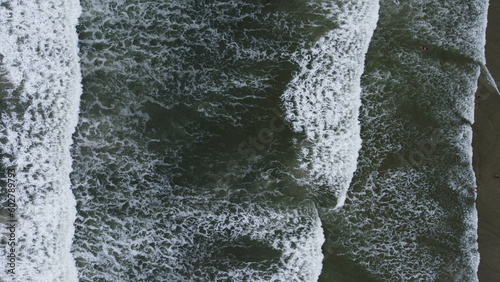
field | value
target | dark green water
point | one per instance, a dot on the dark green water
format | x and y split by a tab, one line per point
183	152
182	123
246	140
410	212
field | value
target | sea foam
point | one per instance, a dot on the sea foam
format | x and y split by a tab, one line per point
411	213
323	101
38	44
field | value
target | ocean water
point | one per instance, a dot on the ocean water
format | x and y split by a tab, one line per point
197	140
40	90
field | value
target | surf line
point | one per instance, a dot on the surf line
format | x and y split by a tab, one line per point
251	146
487	84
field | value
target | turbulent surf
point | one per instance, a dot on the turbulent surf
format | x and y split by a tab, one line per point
240	140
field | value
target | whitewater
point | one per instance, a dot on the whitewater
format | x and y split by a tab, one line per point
271	140
40	100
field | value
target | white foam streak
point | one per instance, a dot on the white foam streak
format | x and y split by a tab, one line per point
296	234
323	99
40	54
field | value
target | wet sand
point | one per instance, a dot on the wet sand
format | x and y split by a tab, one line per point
486	160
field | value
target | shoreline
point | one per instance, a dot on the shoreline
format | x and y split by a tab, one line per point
486	153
